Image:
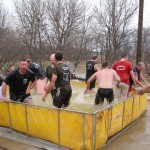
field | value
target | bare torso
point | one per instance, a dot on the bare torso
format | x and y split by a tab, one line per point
105	78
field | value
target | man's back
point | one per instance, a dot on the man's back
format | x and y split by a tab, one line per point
63	74
90	68
37	70
123	69
105	78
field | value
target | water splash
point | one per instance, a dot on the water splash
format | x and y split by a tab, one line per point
80	98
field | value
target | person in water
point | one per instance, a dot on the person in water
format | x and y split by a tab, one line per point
91	68
60	79
124	69
105	78
19	84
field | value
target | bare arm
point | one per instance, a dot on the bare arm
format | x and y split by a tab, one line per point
45	83
51	86
93	77
142	78
133	77
31	85
143	90
137	81
117	78
4	90
96	67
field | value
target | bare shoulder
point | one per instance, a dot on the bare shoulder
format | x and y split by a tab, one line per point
111	70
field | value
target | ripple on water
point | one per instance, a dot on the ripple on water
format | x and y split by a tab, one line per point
79	101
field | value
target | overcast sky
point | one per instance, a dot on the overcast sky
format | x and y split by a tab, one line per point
9	5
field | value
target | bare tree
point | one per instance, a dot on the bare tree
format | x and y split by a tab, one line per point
146	49
68	28
9	47
112	20
30	27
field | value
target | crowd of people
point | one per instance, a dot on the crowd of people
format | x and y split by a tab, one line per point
22	79
57	80
126	76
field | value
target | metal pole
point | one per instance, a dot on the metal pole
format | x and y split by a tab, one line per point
9	115
139	104
83	131
123	114
59	127
132	109
26	114
94	132
109	109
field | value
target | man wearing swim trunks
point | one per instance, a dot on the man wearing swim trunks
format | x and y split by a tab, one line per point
105	78
19	84
60	79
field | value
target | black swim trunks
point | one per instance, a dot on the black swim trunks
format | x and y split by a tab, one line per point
62	96
19	98
53	93
104	93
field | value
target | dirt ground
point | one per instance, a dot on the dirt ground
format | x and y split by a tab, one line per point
8	144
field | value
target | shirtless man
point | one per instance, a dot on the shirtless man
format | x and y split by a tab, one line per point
105	78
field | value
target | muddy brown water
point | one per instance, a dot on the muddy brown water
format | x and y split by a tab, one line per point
136	137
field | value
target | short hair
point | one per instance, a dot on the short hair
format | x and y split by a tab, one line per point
105	64
140	63
28	60
94	57
124	54
59	56
23	59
